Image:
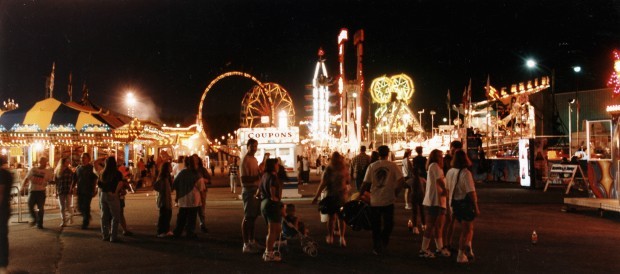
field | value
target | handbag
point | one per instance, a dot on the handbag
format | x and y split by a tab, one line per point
463	209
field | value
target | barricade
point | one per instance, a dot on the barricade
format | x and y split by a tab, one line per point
15	193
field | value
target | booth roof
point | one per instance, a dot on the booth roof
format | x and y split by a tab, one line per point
46	112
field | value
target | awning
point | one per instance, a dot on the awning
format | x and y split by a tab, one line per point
48	115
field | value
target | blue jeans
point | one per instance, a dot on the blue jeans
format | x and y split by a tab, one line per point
110	206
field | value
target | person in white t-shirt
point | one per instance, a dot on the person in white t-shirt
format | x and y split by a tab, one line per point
385	180
460	183
434	205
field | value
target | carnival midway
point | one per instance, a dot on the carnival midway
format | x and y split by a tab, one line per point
511	136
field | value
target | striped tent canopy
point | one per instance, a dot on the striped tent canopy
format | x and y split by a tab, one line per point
48	115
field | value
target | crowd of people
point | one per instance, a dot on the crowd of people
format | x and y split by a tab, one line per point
439	191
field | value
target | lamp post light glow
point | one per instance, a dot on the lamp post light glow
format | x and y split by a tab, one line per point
130	100
577	68
531	63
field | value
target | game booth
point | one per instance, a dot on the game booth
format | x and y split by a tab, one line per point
280	143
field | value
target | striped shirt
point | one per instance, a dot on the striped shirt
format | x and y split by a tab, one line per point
233	169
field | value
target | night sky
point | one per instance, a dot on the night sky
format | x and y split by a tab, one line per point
169	51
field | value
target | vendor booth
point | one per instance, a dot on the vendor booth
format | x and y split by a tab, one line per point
279	143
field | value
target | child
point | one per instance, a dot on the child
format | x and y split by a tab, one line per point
291	223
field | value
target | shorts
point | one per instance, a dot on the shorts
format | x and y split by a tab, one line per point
251	205
272	211
435	211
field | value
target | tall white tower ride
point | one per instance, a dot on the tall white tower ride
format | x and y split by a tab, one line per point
320	102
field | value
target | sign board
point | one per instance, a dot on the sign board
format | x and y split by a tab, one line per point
524	162
268	135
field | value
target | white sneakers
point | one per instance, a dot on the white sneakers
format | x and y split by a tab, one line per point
272	256
252	247
416	231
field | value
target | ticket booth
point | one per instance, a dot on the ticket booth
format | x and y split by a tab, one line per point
278	142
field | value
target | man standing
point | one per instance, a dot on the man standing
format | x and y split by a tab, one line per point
250	178
385	180
37	180
6	181
86	187
358	167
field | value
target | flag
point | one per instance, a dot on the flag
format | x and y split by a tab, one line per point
70	89
51	81
488	87
448	99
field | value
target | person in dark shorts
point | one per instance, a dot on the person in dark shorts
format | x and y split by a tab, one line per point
270	191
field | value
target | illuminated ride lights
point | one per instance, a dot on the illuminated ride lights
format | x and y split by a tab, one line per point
320	101
269	100
614	79
393	94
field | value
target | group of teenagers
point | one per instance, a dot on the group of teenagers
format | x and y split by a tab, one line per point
429	194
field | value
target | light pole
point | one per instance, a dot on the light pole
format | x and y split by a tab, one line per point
531	63
432	123
577	70
130	100
570	137
420	120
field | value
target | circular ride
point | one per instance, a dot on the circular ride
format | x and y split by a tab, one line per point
267	106
393	95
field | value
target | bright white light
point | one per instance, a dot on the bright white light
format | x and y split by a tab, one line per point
530	63
38	146
4	151
282	119
577	69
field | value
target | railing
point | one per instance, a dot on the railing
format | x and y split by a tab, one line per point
15	192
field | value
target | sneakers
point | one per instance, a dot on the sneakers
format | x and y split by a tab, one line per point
162	235
127	233
407	206
462	258
271	257
444	252
416	231
426	254
250	249
423	228
410	225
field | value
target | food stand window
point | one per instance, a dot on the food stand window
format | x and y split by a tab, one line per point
599	140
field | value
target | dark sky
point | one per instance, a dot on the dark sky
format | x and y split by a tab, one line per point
169	51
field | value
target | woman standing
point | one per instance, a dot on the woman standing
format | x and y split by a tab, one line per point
270	191
335	180
64	184
188	185
434	205
461	185
163	186
110	184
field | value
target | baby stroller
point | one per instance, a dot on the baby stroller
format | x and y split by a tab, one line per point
357	215
308	245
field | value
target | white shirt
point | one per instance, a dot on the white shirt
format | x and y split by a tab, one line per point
249	167
430	197
464	185
405	167
384	177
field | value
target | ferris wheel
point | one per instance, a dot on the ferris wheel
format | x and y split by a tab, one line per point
271	101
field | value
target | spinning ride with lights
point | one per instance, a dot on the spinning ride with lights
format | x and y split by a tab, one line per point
393	94
272	101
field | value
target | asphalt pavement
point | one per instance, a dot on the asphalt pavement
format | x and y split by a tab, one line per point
576	242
